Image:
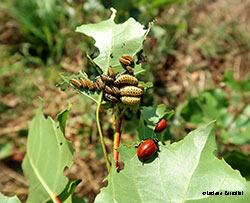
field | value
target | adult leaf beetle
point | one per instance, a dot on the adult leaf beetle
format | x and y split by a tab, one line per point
161	125
147	149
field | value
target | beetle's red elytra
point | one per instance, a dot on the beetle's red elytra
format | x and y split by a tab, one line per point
147	149
161	125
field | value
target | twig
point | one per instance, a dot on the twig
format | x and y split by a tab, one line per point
117	136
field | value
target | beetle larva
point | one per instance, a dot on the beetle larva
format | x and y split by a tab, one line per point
83	82
130	70
130	100
97	86
111	98
111	72
126	79
99	82
107	79
126	60
130	91
108	89
89	84
116	90
76	83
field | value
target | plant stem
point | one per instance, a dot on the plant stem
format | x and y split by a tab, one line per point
117	136
57	200
114	120
116	145
100	133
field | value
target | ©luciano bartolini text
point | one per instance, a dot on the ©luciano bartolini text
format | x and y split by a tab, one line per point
223	193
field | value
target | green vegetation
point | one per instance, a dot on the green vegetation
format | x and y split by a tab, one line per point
195	62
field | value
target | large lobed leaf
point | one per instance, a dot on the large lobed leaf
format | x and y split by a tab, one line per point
113	40
48	153
183	172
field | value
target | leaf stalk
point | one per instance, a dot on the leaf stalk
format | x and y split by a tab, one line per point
100	133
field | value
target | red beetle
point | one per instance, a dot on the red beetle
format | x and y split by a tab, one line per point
161	125
147	149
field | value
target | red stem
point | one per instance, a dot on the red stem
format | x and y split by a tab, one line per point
116	145
57	199
117	138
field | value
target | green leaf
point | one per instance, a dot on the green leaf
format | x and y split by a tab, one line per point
5	150
151	116
238	131
146	85
211	105
76	199
181	173
239	161
159	3
236	85
68	191
94	95
62	117
48	153
4	199
113	40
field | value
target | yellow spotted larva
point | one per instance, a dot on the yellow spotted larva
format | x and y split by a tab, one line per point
130	91
126	79
130	100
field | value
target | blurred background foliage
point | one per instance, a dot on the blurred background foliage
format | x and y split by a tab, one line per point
197	57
